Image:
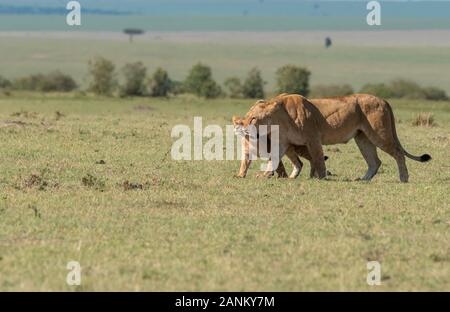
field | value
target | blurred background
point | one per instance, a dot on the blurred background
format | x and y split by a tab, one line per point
331	39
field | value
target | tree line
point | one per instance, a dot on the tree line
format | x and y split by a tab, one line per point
199	81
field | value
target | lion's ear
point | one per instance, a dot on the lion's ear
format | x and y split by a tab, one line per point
237	121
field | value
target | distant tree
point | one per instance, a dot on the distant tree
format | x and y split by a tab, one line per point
253	85
293	79
131	32
200	82
328	42
135	74
234	87
160	83
101	71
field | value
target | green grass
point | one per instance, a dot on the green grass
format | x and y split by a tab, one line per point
352	64
193	226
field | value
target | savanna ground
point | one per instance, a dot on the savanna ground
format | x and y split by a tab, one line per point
89	179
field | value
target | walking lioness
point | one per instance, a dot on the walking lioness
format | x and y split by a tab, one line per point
313	123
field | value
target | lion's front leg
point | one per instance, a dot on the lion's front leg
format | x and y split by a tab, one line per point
246	160
245	164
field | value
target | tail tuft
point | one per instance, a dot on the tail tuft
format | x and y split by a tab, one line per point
325	158
425	158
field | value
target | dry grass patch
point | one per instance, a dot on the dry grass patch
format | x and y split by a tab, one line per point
424	120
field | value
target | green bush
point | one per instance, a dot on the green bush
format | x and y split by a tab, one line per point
52	82
293	79
177	87
31	83
378	89
134	74
101	71
234	87
58	82
320	91
200	82
160	84
435	94
4	83
403	88
253	87
210	89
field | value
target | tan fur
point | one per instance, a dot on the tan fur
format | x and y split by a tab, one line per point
317	122
293	154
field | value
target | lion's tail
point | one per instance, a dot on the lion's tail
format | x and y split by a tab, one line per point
423	158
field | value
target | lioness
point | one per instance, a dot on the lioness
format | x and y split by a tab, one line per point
366	118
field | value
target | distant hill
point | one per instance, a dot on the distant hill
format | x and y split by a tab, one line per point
38	10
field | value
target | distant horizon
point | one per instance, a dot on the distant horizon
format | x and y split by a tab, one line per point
223	15
390	8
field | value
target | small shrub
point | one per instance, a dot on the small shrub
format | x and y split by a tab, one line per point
424	120
31	83
160	84
253	87
293	79
234	87
51	82
435	94
102	74
331	90
200	82
403	88
4	83
58	82
378	89
135	74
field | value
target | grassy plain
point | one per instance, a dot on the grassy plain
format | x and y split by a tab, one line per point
188	22
89	179
361	59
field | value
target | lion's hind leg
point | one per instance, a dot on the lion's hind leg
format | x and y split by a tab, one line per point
369	152
317	158
385	140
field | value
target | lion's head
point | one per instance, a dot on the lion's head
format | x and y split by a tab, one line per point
261	113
